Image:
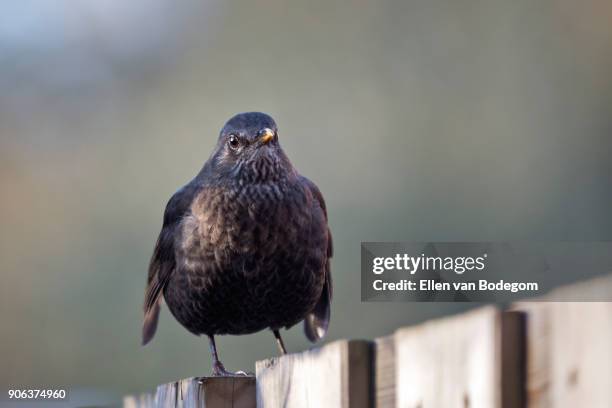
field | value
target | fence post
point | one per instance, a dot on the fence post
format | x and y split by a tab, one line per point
459	361
569	347
199	392
384	372
336	375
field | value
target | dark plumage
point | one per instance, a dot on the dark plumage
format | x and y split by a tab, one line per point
245	245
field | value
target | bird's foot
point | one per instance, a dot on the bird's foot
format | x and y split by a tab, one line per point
220	371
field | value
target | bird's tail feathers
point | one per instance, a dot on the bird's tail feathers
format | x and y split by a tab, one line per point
317	321
150	322
314	328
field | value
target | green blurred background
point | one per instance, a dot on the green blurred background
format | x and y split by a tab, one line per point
419	120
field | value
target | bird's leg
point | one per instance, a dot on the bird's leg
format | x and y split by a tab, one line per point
217	366
279	342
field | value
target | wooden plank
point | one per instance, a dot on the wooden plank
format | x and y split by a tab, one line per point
569	347
570	353
458	361
200	392
384	372
336	375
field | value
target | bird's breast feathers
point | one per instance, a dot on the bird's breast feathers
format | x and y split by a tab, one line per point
247	221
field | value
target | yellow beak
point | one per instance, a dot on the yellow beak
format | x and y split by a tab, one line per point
266	135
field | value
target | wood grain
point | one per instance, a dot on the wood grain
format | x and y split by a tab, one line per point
384	372
569	347
200	392
336	375
458	362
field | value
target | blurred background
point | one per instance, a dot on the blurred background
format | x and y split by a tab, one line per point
419	121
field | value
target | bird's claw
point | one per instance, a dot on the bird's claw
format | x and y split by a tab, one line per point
220	371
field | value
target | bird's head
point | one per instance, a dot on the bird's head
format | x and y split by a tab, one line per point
248	149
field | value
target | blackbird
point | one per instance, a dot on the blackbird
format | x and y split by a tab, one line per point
245	245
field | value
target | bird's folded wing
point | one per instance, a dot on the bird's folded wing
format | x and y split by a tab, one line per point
316	323
163	260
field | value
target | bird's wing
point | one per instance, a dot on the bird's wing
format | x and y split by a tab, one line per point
163	261
317	321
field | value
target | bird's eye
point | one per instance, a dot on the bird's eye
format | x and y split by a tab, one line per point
233	142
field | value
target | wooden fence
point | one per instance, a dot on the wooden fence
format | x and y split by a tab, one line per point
532	354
